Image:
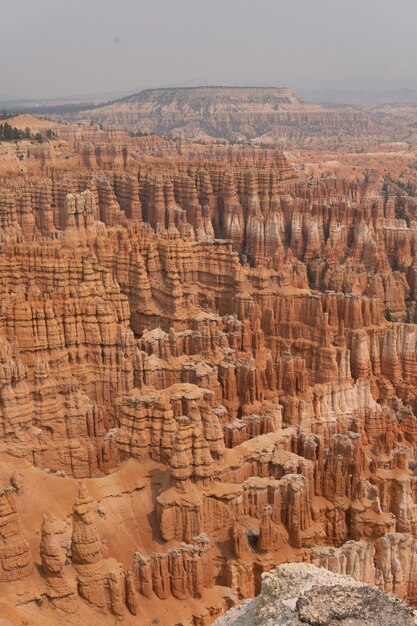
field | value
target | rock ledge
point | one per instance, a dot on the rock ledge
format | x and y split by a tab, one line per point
295	594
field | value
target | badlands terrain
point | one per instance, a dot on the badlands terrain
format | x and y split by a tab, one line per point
208	365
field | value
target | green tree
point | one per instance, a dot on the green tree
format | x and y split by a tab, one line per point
7	132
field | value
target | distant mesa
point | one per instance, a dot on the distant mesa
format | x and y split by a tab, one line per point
235	114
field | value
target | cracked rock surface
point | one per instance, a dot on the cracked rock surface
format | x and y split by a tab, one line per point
295	593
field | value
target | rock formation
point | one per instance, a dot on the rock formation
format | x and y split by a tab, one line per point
15	557
220	342
238	114
297	594
60	592
100	581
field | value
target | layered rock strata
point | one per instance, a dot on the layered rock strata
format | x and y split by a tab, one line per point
223	347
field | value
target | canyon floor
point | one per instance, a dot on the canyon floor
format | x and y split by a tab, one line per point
208	367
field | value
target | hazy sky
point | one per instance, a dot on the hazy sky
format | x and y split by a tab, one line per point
71	47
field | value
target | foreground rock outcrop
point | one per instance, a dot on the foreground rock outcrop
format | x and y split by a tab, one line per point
297	594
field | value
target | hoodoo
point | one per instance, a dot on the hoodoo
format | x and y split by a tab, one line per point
208	315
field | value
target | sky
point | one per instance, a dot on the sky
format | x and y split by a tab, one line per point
60	48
